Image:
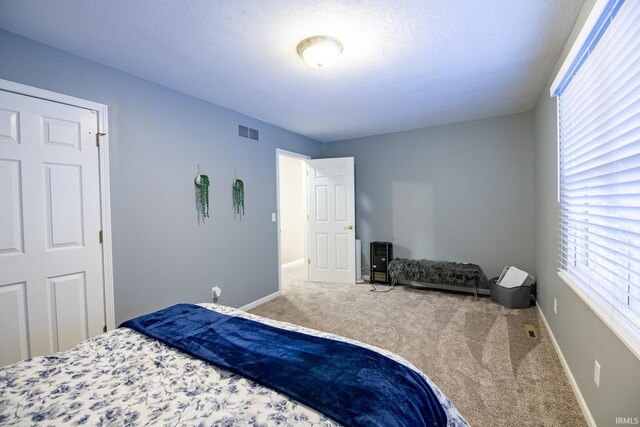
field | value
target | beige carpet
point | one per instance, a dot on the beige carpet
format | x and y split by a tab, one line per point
475	350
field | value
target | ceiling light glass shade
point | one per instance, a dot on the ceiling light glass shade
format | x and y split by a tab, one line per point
320	51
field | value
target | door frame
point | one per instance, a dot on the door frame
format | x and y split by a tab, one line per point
304	158
103	165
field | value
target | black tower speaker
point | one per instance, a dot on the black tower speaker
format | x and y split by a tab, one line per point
381	254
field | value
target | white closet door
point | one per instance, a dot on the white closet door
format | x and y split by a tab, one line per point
51	280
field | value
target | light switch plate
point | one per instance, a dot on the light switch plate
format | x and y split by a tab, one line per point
273	217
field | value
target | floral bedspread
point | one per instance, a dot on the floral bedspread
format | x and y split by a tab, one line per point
123	378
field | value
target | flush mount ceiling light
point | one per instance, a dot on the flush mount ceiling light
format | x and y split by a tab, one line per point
320	51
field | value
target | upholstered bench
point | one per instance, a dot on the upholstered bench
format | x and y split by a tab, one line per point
452	276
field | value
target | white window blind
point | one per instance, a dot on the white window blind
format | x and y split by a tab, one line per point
599	143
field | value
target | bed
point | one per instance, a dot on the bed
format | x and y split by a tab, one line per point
444	275
126	378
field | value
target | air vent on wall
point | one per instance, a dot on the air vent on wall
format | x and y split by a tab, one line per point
247	132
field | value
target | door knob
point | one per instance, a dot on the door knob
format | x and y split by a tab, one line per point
349	227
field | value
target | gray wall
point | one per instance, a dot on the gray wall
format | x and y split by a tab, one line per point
162	255
581	335
460	192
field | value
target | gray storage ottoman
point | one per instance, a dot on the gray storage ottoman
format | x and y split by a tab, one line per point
518	297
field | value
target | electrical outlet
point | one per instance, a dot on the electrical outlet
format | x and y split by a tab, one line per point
555	306
215	293
596	373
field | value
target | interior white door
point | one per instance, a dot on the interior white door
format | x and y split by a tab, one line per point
331	195
51	279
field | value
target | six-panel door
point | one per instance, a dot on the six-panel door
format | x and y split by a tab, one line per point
51	281
331	220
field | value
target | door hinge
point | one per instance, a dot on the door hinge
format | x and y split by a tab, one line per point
307	173
104	328
309	261
100	236
98	135
307	217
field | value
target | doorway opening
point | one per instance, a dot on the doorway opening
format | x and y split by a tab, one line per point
291	177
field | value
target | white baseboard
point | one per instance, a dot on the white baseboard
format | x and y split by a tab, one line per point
574	385
260	301
293	263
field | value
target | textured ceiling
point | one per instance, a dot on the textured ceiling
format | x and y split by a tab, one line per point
405	65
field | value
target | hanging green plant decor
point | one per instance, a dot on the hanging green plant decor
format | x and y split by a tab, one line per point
203	194
238	198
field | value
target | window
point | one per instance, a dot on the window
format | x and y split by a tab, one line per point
599	167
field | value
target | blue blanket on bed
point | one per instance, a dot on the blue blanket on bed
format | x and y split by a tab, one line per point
350	384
